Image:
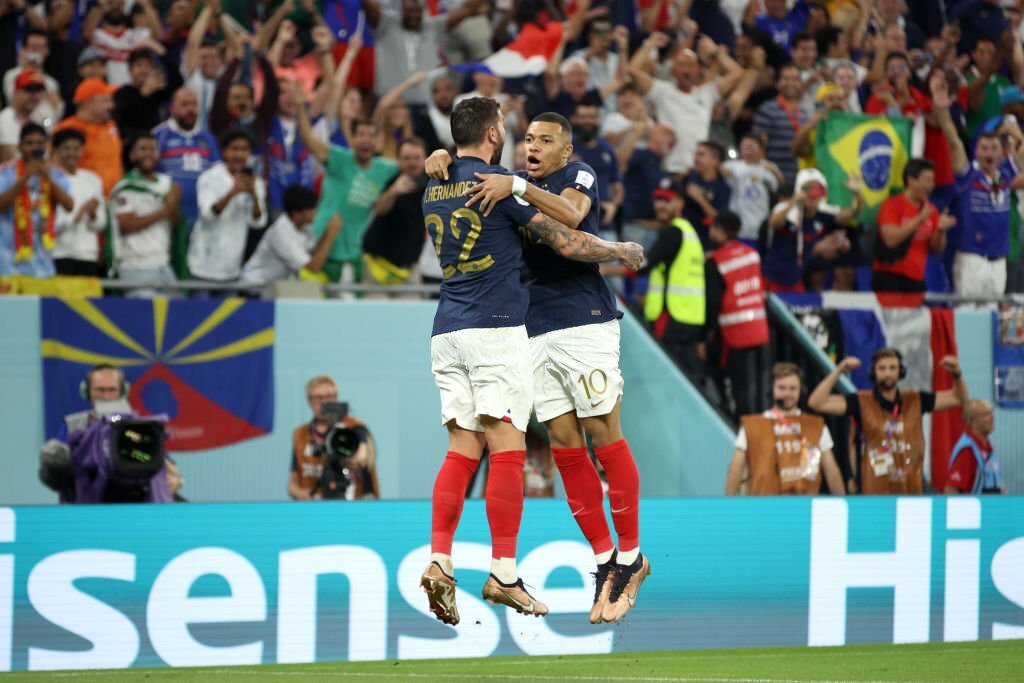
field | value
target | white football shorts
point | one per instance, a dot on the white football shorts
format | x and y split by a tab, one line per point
576	369
483	371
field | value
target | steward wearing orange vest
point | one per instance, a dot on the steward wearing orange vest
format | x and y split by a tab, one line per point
783	451
735	308
888	421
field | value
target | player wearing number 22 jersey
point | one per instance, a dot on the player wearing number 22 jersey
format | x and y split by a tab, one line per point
480	352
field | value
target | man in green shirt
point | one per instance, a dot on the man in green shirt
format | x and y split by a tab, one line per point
984	84
354	179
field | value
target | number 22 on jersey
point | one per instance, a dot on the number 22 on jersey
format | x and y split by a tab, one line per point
464	264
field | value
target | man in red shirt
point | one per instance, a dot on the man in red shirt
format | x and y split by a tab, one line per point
973	467
908	227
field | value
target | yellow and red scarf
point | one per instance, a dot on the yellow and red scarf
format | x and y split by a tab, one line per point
24	232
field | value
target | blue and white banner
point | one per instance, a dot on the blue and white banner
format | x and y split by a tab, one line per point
188	585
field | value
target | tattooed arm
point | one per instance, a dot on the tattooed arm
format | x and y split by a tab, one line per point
582	246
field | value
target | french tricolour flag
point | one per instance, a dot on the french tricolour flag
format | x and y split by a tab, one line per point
527	55
924	334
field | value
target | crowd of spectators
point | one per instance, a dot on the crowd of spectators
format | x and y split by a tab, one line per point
255	142
198	118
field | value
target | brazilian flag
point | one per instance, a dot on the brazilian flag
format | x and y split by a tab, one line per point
874	147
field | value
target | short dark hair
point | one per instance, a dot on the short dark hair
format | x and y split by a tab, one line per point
588	100
991	135
787	65
915	167
983	39
299	198
804	36
144	135
631	87
414	141
140	53
826	37
100	367
557	119
32	128
787	369
715	148
234	133
361	123
36	32
885	352
471	118
245	85
729	222
896	55
62	136
759	138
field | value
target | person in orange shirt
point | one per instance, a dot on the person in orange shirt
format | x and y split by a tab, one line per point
101	153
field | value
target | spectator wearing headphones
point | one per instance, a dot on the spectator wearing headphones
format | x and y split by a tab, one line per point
889	421
783	451
103	383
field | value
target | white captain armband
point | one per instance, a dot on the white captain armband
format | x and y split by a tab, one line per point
518	186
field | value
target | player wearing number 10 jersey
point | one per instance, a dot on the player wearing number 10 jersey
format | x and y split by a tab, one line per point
480	352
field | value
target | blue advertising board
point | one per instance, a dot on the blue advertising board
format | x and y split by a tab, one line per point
185	585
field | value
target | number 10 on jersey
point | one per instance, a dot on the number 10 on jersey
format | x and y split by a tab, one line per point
464	264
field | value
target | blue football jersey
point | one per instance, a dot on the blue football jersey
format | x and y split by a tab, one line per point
566	293
481	257
184	157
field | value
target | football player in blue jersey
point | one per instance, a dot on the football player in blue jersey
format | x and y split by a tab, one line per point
573	326
480	354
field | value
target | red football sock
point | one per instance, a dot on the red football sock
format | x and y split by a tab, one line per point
586	497
449	494
505	501
623	491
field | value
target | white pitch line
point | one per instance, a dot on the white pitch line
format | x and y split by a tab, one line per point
571	660
367	674
738	654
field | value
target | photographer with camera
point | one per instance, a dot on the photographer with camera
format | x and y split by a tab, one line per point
333	455
106	454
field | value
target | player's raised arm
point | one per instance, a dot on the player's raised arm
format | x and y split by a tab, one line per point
570	207
582	246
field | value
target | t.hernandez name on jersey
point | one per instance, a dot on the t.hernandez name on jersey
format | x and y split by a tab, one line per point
480	256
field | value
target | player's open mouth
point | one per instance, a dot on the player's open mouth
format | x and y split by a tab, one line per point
532	163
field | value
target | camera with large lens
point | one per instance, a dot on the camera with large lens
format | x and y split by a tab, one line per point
137	455
341	443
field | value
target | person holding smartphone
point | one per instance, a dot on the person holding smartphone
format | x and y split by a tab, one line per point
30	193
231	199
138	104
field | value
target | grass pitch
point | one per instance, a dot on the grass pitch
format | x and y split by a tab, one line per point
982	662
